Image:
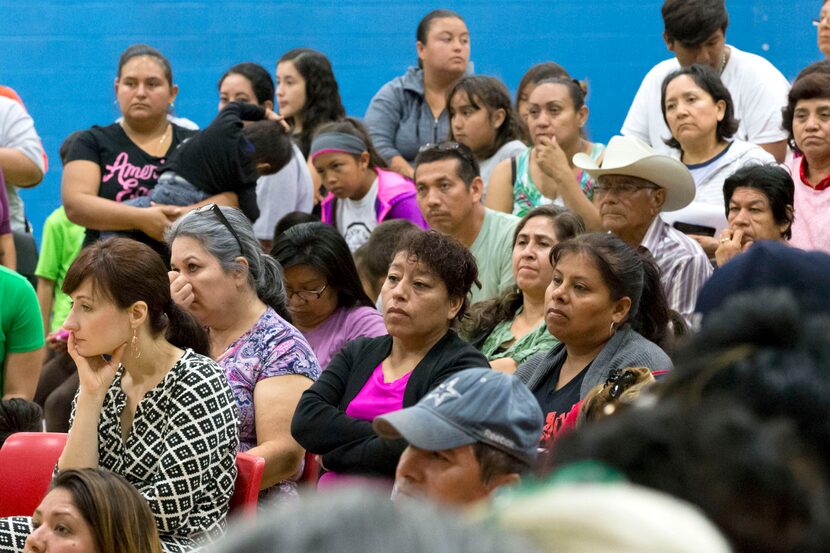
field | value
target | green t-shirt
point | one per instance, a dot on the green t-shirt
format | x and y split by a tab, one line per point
21	328
538	339
62	240
493	250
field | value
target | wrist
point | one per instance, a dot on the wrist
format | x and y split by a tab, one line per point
91	399
139	218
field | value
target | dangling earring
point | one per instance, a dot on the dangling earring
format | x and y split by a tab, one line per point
170	107
612	328
136	351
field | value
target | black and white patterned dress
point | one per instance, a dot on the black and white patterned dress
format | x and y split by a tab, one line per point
180	454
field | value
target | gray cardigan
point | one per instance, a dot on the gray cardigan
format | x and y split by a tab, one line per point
400	120
626	348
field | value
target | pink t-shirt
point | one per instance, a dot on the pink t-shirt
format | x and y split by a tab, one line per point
376	398
811	229
342	326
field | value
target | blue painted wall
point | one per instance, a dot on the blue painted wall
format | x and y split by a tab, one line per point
60	55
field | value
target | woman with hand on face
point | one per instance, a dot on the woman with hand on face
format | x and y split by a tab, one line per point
411	111
92	511
425	292
532	77
698	110
222	277
307	93
482	119
807	119
362	192
544	173
511	327
325	296
107	165
759	206
289	189
149	407
606	307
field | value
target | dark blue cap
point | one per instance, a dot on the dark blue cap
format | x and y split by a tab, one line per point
771	264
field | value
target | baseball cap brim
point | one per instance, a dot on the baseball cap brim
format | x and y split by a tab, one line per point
422	428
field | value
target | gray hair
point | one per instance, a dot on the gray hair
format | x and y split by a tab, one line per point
264	272
364	520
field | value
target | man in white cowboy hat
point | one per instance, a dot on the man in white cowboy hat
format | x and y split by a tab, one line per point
635	184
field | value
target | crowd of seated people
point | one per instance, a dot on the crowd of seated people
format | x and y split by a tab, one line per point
578	342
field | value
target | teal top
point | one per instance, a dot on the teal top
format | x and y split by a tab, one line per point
525	194
538	339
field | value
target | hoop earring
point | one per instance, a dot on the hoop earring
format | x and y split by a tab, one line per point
611	333
136	351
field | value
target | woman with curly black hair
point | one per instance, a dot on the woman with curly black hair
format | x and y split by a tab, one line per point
307	93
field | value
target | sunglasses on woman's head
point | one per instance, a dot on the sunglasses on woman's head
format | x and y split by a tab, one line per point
213	208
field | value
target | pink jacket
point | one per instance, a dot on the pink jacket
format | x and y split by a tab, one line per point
396	200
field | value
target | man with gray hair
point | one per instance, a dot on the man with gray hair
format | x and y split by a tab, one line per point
476	432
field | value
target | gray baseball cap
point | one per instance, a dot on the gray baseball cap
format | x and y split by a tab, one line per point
474	405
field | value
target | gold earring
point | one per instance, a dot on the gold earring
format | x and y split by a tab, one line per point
612	328
136	351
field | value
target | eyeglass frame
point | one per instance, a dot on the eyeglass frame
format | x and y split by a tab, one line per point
626	188
211	207
315	294
821	19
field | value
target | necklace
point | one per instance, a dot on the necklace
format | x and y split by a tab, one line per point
163	135
722	62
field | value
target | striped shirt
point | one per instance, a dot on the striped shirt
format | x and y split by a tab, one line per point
684	267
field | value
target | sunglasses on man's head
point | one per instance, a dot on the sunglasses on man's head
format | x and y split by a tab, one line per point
449	146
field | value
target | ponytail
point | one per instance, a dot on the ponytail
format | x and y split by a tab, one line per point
651	319
270	285
184	331
483	316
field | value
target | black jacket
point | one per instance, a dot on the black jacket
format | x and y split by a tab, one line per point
350	445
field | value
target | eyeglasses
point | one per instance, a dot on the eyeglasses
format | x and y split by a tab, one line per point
306	295
820	20
208	208
622	188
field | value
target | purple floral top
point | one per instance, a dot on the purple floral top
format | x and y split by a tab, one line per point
272	347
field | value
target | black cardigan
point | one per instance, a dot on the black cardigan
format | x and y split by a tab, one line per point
350	445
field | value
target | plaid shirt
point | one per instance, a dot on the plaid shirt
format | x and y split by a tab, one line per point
684	267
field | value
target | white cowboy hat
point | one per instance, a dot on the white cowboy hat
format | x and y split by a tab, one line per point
628	155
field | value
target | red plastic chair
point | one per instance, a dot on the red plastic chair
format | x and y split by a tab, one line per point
311	470
27	461
248	480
